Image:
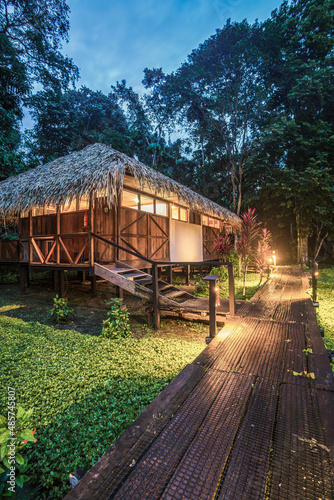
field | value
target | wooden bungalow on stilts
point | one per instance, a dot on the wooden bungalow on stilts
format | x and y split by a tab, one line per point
102	212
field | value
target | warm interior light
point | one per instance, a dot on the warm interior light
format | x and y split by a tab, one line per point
316	273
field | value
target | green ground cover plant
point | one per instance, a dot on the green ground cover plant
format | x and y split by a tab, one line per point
252	284
84	390
325	312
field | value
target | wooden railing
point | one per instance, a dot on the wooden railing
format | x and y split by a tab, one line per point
156	264
52	249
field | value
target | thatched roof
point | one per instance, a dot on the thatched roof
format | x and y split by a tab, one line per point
94	169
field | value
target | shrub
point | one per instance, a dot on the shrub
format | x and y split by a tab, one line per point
60	312
117	325
14	435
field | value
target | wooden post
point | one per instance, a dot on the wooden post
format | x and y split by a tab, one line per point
170	274
187	274
61	283
212	278
93	284
155	297
231	288
23	280
315	274
91	230
118	225
30	237
55	280
57	236
119	292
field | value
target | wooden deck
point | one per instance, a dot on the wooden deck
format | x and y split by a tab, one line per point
239	422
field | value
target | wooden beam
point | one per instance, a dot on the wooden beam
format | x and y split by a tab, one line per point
66	251
61	283
91	230
155	297
38	251
58	235
51	251
231	288
30	237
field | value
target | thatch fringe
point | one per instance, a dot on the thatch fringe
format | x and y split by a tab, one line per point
96	168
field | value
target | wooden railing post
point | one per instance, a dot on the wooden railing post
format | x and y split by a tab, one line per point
57	236
212	279
30	237
91	230
315	274
231	288
155	297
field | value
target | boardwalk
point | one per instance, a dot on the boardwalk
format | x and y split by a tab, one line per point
251	418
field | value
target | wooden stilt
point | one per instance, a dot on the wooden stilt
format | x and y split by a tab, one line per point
119	292
55	280
170	274
187	274
23	280
155	297
93	284
231	288
61	283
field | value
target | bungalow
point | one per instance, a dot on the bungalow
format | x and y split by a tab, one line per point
98	207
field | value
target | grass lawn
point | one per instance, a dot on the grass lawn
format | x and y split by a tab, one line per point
325	312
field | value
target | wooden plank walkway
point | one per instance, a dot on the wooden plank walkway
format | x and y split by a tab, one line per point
237	423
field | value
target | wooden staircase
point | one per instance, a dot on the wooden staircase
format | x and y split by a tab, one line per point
139	283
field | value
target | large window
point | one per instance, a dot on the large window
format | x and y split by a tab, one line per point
212	222
145	203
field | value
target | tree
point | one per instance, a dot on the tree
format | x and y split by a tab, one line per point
30	41
13	86
293	160
218	94
68	121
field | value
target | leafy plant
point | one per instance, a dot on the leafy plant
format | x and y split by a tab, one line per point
117	325
202	288
60	312
14	435
246	241
223	245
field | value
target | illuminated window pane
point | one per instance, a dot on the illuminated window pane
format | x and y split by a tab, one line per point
130	200
205	220
84	203
175	213
24	214
183	214
161	208
211	222
216	223
147	204
50	209
69	207
37	211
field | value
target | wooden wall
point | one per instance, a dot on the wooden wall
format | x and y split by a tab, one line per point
145	233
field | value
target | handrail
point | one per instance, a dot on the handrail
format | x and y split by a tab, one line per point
156	262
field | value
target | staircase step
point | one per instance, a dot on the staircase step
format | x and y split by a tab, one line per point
124	270
161	286
132	276
173	294
144	281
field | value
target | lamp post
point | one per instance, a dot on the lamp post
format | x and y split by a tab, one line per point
315	274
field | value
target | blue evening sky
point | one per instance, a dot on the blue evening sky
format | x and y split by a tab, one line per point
112	40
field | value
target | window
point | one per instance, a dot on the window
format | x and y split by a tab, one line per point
50	209
146	204
130	200
194	218
183	214
161	208
37	211
69	207
84	202
179	213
